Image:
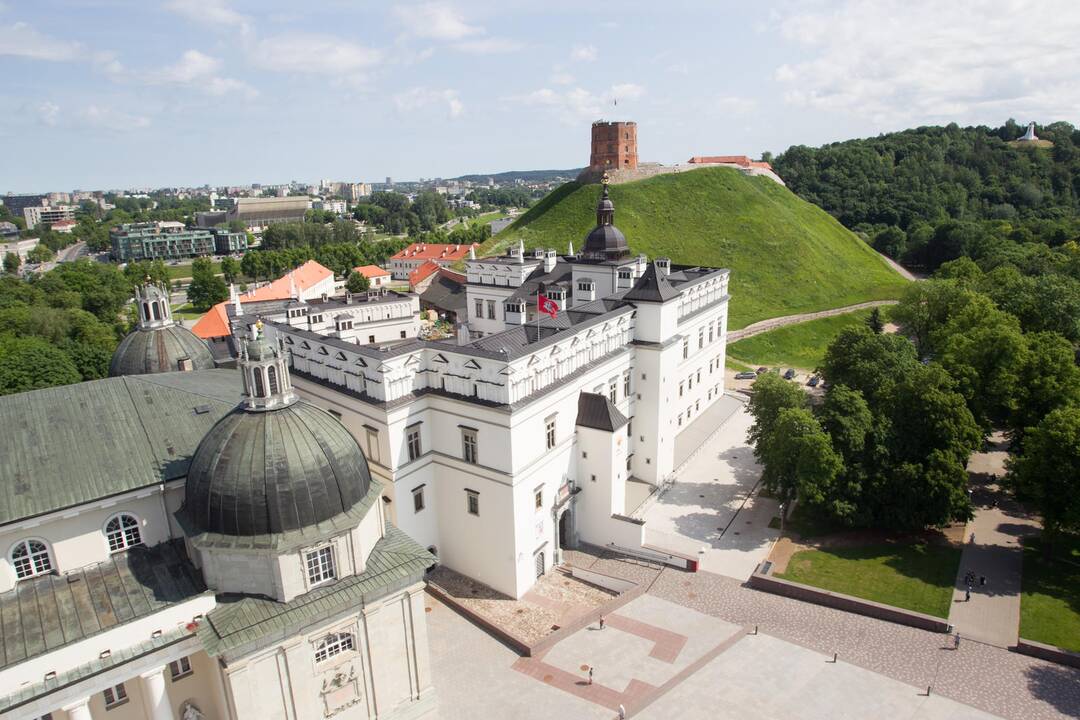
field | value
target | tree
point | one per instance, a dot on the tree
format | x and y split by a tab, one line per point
357	283
39	254
1049	379
869	363
206	288
11	263
230	268
30	363
874	322
891	241
798	458
1047	471
927	306
771	394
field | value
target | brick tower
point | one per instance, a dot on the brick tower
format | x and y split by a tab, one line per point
614	146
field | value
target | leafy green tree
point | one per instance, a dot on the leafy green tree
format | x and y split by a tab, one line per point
1047	471
891	241
230	269
869	363
927	306
12	262
39	254
798	458
357	283
771	394
874	322
1049	379
30	363
206	288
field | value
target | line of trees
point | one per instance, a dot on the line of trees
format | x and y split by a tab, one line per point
395	214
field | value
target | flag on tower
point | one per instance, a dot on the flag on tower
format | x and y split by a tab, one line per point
546	305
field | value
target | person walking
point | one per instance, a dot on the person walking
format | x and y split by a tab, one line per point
967	594
590	674
622	713
956	641
601	622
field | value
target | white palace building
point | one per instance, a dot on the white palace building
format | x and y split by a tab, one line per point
522	436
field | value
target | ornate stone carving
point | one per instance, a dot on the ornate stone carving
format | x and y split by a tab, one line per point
190	711
340	690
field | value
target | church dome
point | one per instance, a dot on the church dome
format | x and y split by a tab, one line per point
160	350
274	471
605	240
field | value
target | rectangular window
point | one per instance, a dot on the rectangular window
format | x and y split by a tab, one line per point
681	389
685	349
115	695
701	338
468	445
550	433
491	309
680	419
418	499
320	565
539	498
402	334
710	332
371	339
472	502
412	441
372	443
179	668
699	376
613	387
626	384
479	309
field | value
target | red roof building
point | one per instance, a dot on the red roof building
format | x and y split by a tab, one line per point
377	277
405	262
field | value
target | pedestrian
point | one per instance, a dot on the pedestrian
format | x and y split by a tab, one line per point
622	713
982	580
601	622
972	538
590	675
956	641
967	595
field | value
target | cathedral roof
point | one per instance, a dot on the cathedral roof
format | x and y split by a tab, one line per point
157	350
267	473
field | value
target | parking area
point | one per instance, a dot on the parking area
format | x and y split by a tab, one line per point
713	505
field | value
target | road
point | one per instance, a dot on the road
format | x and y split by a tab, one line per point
71	252
773	323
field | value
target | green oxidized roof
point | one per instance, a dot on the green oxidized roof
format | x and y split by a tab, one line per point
69	445
245	623
159	350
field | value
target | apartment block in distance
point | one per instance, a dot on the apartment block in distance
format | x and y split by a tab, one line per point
168	240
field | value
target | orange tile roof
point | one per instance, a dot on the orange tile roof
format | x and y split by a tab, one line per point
434	251
215	323
371	271
422	272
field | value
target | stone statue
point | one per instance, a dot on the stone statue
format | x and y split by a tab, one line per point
190	711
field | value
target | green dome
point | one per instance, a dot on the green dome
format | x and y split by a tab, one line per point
257	473
157	350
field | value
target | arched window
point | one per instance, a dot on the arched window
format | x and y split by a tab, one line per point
271	374
333	644
146	311
157	311
30	558
164	310
260	389
122	531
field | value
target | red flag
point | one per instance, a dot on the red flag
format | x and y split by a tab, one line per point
546	305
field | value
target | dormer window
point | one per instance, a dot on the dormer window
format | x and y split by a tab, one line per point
122	532
31	558
320	566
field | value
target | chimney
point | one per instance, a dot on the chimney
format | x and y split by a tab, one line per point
514	312
663	266
549	260
348	298
463	334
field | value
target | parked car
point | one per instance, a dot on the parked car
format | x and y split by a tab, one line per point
762	370
790	374
813	381
746	375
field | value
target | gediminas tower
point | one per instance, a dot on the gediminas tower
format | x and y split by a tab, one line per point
614	146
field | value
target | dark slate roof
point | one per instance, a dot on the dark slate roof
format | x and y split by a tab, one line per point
599	413
159	350
244	623
446	294
652	286
562	275
260	473
113	435
47	612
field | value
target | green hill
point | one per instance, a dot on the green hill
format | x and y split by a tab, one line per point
786	256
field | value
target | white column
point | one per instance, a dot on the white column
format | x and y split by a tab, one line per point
155	697
78	710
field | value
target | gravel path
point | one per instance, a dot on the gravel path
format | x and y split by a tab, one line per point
773	323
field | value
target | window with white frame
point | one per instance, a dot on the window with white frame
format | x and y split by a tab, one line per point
122	531
468	445
613	387
550	430
472	502
479	309
538	497
701	338
115	695
685	349
626	384
491	309
180	668
418	499
320	565
412	441
334	644
30	558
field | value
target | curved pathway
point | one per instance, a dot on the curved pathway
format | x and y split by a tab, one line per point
778	322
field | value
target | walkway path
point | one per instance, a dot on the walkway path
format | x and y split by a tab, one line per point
992	615
777	322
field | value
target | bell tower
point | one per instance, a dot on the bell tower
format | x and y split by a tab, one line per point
153	304
264	366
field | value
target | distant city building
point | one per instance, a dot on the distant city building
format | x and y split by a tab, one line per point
17	247
405	262
8	229
353	192
17	203
163	240
389	181
63	226
259	212
227	242
48	214
334	206
614	146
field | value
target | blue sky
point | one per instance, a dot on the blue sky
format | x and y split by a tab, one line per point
103	94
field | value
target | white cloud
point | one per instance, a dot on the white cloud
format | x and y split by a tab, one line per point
488	46
735	105
200	71
584	53
562	78
22	40
107	118
419	98
49	113
574	105
214	13
314	54
435	20
900	62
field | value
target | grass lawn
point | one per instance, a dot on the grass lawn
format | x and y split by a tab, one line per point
184	270
786	255
802	345
915	577
1050	602
735	364
185	312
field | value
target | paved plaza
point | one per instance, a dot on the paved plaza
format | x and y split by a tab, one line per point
712	504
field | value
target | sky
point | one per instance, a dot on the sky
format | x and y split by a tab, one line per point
103	94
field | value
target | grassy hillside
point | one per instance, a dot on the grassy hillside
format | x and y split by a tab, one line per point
802	346
786	256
